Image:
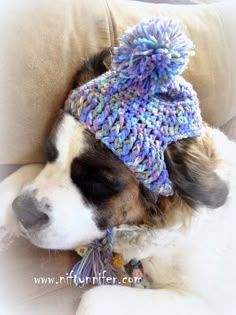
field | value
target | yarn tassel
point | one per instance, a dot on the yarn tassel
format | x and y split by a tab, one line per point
96	264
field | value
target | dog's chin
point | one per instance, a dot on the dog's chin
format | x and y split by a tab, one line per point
49	239
36	238
42	241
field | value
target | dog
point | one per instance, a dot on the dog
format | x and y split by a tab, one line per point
186	242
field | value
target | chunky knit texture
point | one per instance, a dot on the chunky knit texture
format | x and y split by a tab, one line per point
142	104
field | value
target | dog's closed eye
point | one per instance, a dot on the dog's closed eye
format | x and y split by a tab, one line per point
91	179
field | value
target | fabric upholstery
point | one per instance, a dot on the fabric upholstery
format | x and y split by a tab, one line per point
43	43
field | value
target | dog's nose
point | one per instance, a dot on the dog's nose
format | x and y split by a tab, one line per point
28	210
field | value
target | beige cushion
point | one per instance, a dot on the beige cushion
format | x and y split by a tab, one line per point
44	43
21	295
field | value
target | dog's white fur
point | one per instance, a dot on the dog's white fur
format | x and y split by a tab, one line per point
71	219
193	267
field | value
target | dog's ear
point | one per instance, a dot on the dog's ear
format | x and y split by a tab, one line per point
191	164
94	66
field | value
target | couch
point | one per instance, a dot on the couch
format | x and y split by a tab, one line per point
43	44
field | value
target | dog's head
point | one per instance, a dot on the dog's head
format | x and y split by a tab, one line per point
84	188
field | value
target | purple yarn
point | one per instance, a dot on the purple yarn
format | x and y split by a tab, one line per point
151	55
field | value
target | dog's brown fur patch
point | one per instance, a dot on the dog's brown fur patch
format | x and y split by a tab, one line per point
191	164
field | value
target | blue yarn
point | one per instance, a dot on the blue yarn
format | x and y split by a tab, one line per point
151	55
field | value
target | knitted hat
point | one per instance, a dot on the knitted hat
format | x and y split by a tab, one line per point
142	104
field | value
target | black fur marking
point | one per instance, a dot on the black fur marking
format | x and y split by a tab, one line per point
94	172
50	149
93	67
89	176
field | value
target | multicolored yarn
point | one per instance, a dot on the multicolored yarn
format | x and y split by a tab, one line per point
151	55
97	263
143	104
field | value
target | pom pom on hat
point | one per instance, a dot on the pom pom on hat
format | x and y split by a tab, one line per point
151	54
